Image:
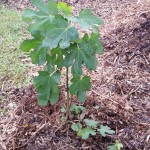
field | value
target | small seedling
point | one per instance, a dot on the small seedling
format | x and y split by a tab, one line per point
117	146
90	127
77	109
103	130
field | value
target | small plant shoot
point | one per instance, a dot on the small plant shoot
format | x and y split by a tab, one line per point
91	127
117	146
57	44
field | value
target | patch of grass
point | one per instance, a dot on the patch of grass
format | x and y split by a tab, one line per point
12	31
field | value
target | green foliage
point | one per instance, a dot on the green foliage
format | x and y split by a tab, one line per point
46	85
80	86
60	33
90	128
85	132
117	146
56	44
65	10
45	14
91	123
77	109
74	109
76	126
86	20
83	52
105	129
38	53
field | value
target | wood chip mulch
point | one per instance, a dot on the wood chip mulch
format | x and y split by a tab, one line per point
121	88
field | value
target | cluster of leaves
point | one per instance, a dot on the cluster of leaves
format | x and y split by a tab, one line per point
86	127
56	44
75	111
117	146
91	127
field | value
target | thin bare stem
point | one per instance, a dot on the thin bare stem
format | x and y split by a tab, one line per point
67	90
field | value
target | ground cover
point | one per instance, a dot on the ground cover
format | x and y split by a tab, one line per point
119	97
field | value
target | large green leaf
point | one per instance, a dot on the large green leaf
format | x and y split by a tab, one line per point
60	33
84	52
46	85
29	44
46	13
105	129
64	9
80	86
38	56
87	20
29	14
38	53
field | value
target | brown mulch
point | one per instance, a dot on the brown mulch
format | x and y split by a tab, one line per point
121	87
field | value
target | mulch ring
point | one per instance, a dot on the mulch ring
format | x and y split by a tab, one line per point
30	127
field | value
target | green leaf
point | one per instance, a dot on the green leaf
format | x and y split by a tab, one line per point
60	33
105	129
76	127
86	20
77	109
64	9
29	44
96	43
57	57
38	56
28	14
112	147
84	52
116	146
38	53
91	123
80	86
46	85
45	14
85	133
63	109
119	145
49	8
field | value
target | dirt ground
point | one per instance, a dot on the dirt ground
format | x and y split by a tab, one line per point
121	87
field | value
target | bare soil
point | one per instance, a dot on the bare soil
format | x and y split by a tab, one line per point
121	87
